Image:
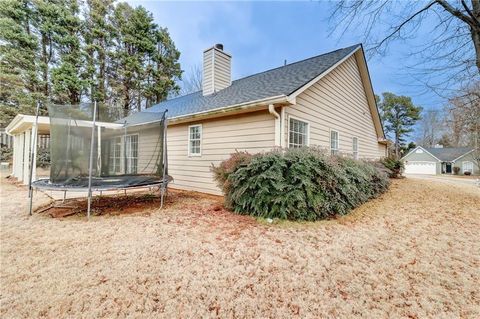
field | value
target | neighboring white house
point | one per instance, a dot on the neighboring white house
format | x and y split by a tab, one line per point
326	100
436	161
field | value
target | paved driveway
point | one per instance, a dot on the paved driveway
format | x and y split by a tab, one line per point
451	180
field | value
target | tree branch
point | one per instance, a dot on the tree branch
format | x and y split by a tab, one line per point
400	26
474	18
457	13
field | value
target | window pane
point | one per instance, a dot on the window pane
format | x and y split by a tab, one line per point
298	131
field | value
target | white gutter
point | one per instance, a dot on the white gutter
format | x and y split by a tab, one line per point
282	128
271	110
241	106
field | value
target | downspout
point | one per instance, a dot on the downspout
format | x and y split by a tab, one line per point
282	128
271	110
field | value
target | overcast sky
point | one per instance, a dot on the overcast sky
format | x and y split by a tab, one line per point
261	35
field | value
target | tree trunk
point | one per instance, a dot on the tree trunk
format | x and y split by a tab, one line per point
101	75
476	45
45	65
397	145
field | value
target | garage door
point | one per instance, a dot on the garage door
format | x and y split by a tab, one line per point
420	168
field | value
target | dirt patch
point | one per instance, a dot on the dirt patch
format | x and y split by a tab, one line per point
413	252
144	202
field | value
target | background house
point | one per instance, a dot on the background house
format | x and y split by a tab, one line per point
326	101
436	161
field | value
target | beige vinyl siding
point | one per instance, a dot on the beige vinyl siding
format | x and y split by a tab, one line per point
216	71
222	71
337	102
382	150
252	132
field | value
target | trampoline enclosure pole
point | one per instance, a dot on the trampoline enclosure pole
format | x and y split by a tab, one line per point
32	160
165	161
90	164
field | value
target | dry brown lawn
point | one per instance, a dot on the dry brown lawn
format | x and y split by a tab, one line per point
414	252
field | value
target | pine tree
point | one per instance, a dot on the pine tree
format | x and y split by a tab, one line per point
114	54
399	115
18	80
67	84
98	43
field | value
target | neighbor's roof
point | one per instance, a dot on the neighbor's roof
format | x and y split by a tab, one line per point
448	153
282	81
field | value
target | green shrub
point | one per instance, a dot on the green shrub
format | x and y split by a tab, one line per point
227	167
393	165
6	154
301	184
43	157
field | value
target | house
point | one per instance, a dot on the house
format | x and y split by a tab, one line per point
436	161
326	101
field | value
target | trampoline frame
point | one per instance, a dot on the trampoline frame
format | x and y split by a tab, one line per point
162	184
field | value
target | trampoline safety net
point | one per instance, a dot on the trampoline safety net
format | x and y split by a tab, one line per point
127	152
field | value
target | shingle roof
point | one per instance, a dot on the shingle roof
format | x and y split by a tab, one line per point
283	80
141	118
448	153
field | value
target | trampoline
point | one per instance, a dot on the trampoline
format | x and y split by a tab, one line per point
94	149
102	183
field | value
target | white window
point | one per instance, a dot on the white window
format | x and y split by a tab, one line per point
467	167
298	133
131	154
195	140
334	142
355	147
115	155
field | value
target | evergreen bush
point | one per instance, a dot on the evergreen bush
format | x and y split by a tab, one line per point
393	165
299	184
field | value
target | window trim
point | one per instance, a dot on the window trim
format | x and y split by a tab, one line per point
358	148
190	154
124	138
330	141
463	166
301	120
113	157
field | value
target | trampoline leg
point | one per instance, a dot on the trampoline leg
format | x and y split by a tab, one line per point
100	193
64	196
162	195
89	204
30	192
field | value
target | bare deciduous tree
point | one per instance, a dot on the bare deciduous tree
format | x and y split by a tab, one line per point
192	81
431	127
451	52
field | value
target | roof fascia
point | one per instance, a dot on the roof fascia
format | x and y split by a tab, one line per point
321	75
367	85
463	155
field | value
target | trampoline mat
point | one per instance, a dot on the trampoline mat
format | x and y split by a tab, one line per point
103	183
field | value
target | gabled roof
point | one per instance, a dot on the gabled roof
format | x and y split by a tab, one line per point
449	153
446	154
281	81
